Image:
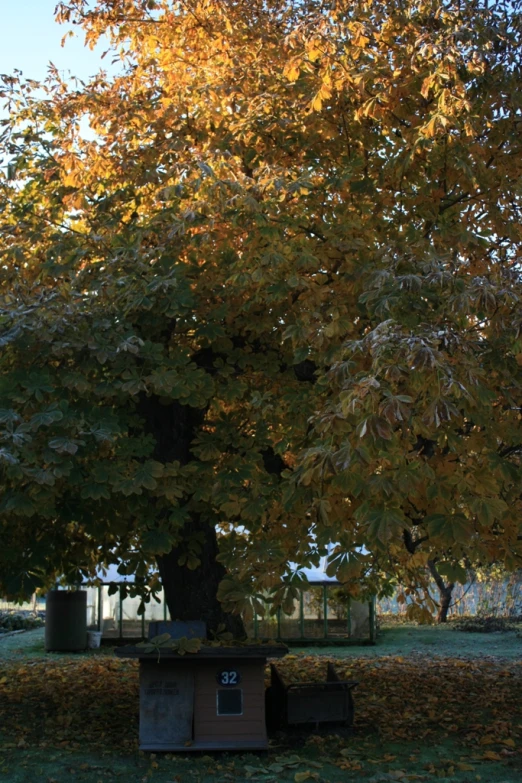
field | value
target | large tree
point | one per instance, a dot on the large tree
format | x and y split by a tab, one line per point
261	291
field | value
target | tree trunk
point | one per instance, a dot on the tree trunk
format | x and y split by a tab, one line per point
445	601
191	594
445	592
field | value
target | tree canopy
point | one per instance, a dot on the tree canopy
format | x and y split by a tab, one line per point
273	291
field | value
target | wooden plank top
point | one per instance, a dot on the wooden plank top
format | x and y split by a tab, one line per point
206	652
235	744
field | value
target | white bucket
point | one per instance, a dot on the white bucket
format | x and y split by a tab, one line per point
93	639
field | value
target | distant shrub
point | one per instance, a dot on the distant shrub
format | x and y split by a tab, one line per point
19	621
388	618
483	624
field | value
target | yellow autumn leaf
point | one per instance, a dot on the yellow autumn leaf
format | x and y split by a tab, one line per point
426	85
291	71
71	180
300	777
313	54
361	41
490	755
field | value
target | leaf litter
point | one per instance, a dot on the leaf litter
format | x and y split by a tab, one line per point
406	709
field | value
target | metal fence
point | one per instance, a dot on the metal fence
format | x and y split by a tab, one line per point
318	616
34	605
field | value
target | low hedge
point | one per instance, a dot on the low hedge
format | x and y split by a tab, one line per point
483	624
12	620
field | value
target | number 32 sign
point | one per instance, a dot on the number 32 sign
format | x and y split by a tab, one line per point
228	677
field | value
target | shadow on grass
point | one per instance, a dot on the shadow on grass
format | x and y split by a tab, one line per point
432	705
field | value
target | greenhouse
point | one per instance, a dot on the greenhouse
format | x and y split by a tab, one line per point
323	613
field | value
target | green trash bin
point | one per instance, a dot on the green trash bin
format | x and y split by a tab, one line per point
66	621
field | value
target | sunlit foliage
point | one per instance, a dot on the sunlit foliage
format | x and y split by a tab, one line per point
275	289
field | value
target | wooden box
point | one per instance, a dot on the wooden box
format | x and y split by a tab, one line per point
210	700
311	703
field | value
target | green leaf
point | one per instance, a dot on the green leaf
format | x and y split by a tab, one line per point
453	571
231	509
488	509
127	487
147	473
7	457
449	529
346	567
95	491
45	418
8	416
23	584
156	542
160	640
41	476
38	384
207	452
362	186
188	645
65	445
383	523
19	504
178	516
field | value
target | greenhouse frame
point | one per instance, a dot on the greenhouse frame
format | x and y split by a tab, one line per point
322	615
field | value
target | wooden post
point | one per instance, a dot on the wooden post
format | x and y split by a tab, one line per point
325	612
372	620
100	608
349	617
278	622
120	619
301	613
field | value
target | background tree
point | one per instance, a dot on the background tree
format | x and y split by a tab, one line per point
274	294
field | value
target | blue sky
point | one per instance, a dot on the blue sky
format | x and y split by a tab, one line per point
31	38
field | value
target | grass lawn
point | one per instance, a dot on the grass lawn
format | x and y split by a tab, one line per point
432	704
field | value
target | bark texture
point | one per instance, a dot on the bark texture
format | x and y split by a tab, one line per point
190	594
445	592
